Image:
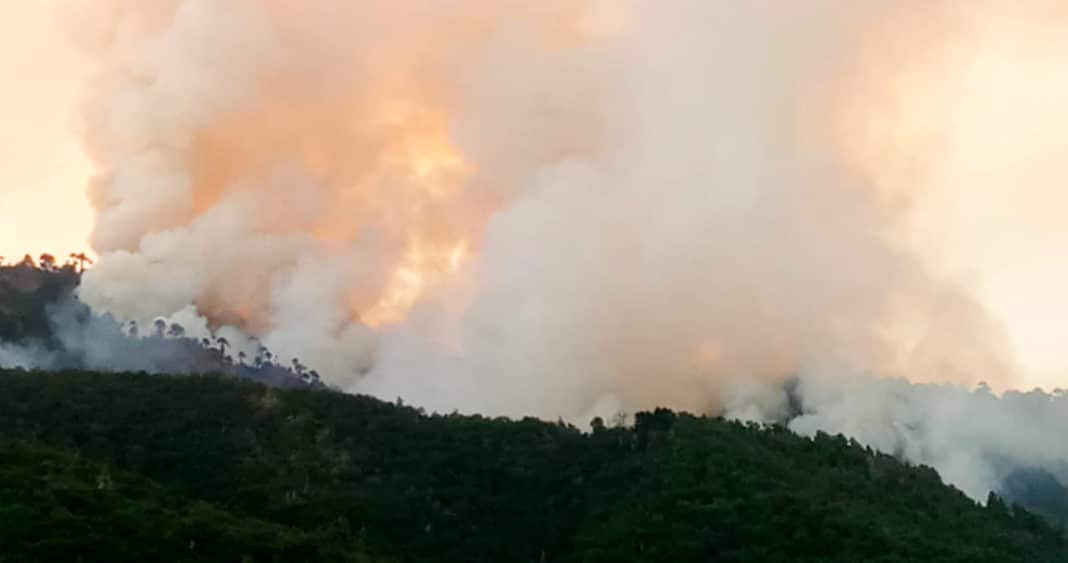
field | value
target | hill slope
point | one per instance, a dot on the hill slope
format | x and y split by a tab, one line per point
466	488
57	507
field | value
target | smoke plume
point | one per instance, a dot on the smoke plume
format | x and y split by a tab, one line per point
555	208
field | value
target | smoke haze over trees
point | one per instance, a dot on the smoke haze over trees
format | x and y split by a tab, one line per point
572	210
542	208
978	441
44	326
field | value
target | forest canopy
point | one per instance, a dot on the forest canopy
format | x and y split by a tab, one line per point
363	476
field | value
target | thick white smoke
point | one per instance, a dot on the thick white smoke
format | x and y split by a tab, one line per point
974	438
558	208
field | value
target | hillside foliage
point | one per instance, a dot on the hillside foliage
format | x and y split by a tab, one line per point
364	476
56	506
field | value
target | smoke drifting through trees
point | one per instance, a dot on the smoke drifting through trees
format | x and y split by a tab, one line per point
564	210
978	442
44	327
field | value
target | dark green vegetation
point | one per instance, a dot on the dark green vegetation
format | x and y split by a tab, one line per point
58	507
271	474
1039	491
26	291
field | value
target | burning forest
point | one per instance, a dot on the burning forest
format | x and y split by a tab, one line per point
790	215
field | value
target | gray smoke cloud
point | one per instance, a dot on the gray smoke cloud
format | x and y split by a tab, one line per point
555	208
77	338
24	356
975	438
80	339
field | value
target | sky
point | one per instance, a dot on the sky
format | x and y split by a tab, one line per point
43	171
993	217
995	214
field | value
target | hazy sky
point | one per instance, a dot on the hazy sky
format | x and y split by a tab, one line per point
42	169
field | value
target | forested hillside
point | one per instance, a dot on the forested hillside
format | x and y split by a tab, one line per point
55	506
232	461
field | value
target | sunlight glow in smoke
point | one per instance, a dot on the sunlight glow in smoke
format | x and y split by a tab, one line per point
424	268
